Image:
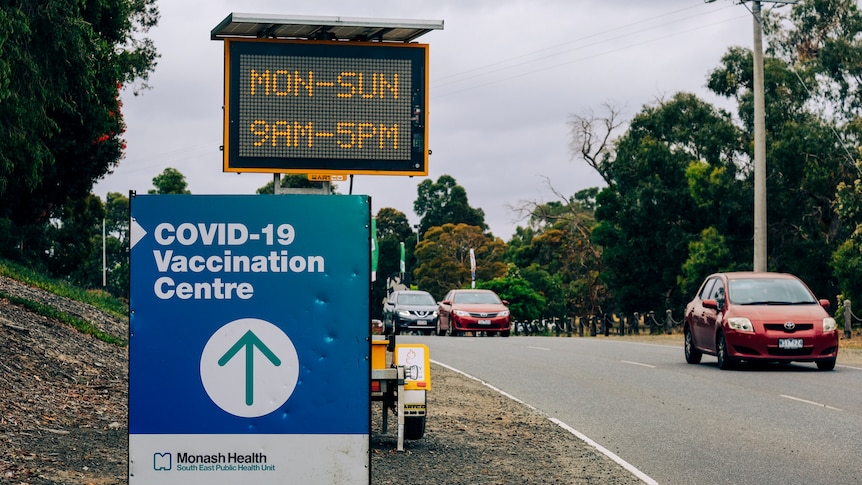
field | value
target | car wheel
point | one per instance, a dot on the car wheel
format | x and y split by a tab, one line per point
724	361
451	330
505	333
414	427
827	364
692	355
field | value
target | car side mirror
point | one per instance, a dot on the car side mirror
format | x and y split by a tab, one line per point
710	303
825	304
445	302
505	302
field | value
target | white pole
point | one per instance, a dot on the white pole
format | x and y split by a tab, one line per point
104	257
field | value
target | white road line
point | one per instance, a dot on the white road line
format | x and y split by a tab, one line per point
810	402
850	367
537	348
601	449
610	454
637	363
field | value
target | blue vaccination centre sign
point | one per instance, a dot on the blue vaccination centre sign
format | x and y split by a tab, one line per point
249	338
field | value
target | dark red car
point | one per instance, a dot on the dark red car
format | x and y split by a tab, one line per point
767	317
473	311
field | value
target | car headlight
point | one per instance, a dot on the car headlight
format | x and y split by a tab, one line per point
829	324
741	324
504	313
433	314
404	314
461	313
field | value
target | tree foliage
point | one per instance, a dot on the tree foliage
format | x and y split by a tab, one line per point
445	202
170	181
392	229
822	39
824	44
706	255
117	243
647	216
294	181
805	159
524	302
679	198
443	258
560	259
62	64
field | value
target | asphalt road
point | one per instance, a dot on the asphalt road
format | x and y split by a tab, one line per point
679	423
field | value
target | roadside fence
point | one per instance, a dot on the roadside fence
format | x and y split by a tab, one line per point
623	324
849	318
601	324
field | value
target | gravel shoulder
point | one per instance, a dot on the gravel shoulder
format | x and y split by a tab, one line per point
476	435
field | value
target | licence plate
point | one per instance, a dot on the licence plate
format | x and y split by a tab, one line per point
421	322
484	322
790	343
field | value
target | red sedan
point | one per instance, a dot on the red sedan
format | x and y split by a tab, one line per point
767	317
473	311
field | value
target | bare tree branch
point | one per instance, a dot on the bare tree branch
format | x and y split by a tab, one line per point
592	136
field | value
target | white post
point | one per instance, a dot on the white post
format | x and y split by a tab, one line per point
104	257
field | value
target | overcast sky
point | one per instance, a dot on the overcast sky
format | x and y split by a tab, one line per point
505	78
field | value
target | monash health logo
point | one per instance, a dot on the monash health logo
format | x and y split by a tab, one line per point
162	461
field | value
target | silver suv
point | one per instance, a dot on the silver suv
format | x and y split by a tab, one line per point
409	310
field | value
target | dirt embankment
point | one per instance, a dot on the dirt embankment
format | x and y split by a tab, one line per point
63	395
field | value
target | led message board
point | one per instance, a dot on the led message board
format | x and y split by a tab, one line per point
325	106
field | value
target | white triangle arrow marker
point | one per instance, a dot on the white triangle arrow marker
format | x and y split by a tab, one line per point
136	233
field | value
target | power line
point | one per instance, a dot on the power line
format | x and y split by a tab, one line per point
573	41
530	57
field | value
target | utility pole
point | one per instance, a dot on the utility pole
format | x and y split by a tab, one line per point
759	145
759	263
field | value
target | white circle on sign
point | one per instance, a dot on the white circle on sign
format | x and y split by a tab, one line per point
249	367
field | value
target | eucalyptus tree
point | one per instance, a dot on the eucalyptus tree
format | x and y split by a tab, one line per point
679	195
810	123
393	228
823	43
443	258
62	65
646	216
560	259
170	181
445	202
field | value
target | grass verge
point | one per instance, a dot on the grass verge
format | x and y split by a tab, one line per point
97	298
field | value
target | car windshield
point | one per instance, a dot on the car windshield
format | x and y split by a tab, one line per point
478	297
769	291
416	299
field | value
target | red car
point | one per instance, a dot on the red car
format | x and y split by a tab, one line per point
766	317
473	311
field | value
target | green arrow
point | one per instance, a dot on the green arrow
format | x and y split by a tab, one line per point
249	341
